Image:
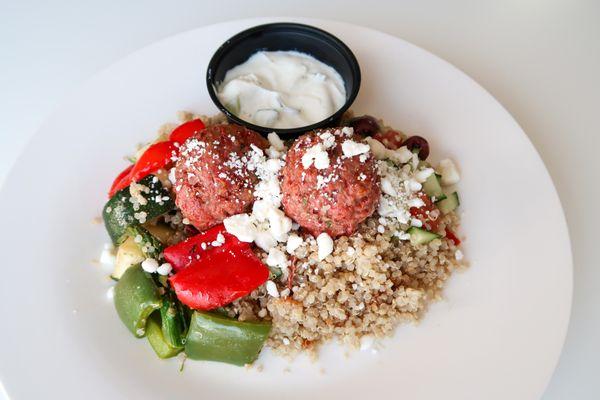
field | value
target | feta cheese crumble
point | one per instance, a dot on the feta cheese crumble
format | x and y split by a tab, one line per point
271	289
267	225
150	265
458	255
325	245
294	241
164	269
350	148
317	156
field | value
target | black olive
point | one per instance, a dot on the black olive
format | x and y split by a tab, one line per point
365	125
417	143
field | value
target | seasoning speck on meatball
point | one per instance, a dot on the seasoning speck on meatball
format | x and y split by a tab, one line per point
214	178
330	182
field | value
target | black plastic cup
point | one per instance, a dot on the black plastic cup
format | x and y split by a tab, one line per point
284	37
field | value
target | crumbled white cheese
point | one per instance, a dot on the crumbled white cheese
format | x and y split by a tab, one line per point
416	222
164	269
403	235
449	172
458	255
377	148
350	148
380	229
267	224
294	241
150	265
350	251
328	139
401	155
413	186
241	226
276	258
220	238
275	141
422	175
415	202
271	289
279	224
387	187
325	245
315	155
286	341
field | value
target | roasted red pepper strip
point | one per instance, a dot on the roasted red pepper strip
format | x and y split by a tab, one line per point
184	131
451	236
193	248
424	213
157	156
213	277
121	181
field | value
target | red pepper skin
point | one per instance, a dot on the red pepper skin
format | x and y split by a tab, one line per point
220	278
213	277
186	130
451	236
190	250
121	181
157	156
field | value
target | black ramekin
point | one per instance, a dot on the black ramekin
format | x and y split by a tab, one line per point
285	36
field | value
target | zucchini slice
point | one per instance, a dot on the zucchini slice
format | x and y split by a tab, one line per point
128	254
119	213
448	204
421	236
433	187
139	245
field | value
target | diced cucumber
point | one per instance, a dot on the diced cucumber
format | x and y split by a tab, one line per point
421	236
119	212
449	204
433	188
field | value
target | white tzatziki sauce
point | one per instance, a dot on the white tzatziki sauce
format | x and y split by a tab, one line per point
282	89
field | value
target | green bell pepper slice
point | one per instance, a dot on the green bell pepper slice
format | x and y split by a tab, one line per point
218	338
154	333
174	323
136	297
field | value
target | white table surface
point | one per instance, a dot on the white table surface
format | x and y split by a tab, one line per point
540	59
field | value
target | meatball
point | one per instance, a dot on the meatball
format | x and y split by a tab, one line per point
212	178
330	182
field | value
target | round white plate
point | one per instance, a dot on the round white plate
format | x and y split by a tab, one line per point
497	335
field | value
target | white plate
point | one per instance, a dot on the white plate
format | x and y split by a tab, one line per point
497	335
